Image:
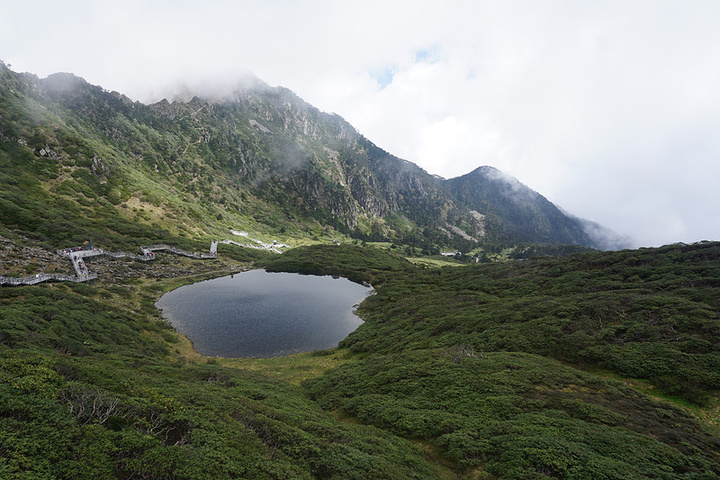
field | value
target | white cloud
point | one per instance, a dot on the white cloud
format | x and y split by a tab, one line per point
607	108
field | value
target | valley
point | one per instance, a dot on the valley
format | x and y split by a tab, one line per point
541	351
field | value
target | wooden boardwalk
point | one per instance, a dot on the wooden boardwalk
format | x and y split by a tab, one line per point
44	277
77	255
82	274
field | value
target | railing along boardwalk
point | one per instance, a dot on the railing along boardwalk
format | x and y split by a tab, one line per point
44	277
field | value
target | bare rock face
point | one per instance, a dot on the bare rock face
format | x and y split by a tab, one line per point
99	167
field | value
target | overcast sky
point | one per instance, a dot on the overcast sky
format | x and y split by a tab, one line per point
610	109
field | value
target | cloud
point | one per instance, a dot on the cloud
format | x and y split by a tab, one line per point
606	108
383	76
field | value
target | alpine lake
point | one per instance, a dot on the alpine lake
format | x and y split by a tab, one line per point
259	314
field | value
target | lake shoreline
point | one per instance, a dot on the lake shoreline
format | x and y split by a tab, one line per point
257	314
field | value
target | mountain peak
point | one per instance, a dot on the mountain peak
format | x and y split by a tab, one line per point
64	83
485	170
213	90
492	173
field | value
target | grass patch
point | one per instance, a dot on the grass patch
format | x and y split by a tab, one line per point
293	369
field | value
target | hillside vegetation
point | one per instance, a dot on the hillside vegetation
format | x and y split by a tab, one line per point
598	365
556	362
75	157
537	369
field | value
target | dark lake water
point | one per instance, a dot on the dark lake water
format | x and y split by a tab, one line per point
260	314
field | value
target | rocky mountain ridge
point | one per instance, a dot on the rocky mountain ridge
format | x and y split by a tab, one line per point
262	157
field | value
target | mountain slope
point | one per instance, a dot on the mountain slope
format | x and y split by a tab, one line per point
515	211
599	365
256	158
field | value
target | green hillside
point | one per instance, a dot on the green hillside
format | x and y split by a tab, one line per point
543	368
598	365
259	159
547	361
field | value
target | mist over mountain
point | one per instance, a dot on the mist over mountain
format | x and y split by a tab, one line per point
247	155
